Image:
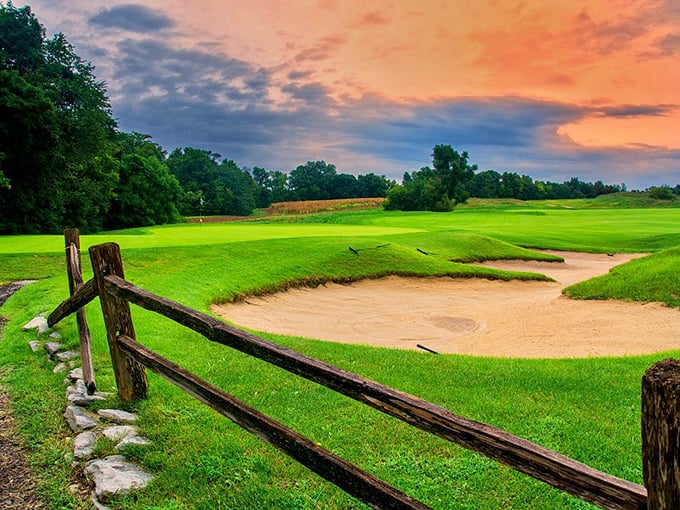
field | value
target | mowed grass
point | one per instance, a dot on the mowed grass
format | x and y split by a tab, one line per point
588	409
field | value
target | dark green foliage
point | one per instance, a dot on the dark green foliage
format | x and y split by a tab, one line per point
55	132
271	186
661	193
373	186
318	180
146	193
312	181
438	189
453	181
212	188
491	184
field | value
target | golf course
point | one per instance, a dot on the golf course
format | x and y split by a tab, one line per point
569	381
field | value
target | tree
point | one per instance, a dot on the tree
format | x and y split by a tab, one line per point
146	193
56	132
239	189
434	189
210	187
453	171
271	186
312	181
345	186
661	193
371	185
485	184
196	171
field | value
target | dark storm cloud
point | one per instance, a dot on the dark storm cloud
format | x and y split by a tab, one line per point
132	17
497	122
207	100
628	111
311	93
508	134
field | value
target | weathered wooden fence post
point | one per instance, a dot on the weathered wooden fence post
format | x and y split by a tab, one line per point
75	280
661	434
130	375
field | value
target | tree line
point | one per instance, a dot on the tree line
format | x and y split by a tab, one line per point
453	179
64	163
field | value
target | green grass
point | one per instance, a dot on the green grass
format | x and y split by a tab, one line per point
586	408
541	226
653	278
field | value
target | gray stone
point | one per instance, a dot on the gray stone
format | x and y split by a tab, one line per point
52	348
83	399
116	416
54	336
35	345
96	503
79	419
67	355
39	322
84	443
119	432
75	374
115	475
60	367
78	387
134	440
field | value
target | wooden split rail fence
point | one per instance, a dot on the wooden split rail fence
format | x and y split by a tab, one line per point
660	401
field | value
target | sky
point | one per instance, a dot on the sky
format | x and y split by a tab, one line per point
553	90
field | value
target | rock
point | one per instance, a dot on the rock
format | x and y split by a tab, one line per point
116	416
134	440
115	475
67	355
60	367
54	336
96	504
52	348
119	432
39	322
79	419
75	374
35	345
84	443
83	399
78	387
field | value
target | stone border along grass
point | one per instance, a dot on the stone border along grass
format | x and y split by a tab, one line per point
113	474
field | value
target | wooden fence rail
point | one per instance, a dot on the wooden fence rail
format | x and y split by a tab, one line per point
129	359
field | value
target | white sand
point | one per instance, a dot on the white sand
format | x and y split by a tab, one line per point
471	316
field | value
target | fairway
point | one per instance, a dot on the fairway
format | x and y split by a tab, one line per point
194	234
586	407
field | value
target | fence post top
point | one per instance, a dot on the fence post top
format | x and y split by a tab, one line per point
102	246
667	370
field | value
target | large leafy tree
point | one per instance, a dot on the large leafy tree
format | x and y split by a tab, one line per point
312	181
271	186
146	194
372	185
434	189
211	187
56	132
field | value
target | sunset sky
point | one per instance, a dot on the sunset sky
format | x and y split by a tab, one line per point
550	89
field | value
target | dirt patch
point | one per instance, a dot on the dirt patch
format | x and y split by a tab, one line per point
525	319
7	290
16	479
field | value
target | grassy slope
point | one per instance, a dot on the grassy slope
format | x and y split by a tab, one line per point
588	409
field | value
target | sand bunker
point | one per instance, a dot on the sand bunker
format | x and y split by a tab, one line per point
471	316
